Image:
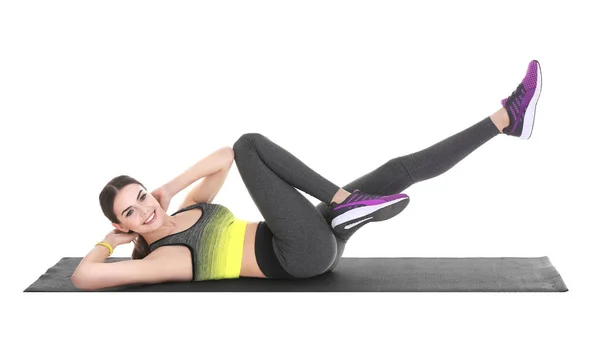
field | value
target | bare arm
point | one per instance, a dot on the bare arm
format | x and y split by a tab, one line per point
150	270
93	273
213	171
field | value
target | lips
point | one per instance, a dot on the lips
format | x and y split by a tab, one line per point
151	218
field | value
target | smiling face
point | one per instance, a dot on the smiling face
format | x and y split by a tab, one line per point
134	206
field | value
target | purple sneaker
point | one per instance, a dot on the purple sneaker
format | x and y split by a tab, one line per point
521	103
359	209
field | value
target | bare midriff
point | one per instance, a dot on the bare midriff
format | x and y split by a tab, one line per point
249	264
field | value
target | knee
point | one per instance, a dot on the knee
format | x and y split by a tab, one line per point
246	140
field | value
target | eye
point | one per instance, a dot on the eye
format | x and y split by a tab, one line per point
142	198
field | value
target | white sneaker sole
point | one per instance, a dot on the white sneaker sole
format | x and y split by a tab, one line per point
362	212
529	118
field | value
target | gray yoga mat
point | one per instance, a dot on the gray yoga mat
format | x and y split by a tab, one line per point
500	274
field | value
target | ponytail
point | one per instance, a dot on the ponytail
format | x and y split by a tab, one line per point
141	249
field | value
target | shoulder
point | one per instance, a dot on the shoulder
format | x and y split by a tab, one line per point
185	204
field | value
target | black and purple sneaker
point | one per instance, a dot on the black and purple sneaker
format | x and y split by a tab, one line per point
359	209
522	102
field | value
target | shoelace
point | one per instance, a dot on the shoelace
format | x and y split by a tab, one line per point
515	99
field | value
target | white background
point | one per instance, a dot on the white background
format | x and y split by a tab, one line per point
92	90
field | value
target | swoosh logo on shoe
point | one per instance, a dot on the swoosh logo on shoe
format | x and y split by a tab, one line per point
349	226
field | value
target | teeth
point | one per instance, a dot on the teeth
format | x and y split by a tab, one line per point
150	218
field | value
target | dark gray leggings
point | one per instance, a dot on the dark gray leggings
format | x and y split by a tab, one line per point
304	241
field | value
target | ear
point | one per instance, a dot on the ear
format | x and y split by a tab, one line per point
120	227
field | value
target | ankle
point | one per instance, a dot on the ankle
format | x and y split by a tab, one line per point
501	119
340	196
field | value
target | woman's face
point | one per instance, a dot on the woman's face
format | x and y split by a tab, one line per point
134	206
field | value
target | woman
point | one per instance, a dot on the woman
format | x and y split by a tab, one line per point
204	241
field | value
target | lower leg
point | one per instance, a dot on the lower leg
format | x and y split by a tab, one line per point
399	173
500	119
440	157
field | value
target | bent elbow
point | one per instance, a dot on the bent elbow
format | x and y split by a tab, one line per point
81	282
77	281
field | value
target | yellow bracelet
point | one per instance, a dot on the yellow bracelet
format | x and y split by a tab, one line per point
110	249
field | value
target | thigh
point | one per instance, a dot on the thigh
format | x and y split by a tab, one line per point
303	241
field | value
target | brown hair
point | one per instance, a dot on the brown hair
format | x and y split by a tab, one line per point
107	201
